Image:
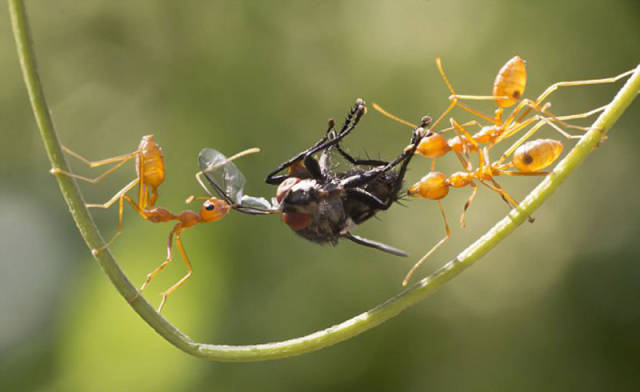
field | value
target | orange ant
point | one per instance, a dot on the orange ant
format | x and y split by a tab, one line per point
528	160
212	210
150	172
508	88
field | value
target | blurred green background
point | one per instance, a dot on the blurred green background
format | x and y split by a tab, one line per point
556	306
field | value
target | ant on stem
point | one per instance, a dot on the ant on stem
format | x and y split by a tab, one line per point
150	175
150	170
528	160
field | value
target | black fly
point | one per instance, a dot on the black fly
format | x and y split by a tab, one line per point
322	205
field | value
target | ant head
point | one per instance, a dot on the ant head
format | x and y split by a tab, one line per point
214	209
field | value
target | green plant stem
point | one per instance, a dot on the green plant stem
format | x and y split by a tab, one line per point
329	336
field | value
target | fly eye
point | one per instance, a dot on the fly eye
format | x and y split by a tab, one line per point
209	207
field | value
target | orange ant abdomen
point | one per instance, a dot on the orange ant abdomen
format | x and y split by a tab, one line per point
510	82
433	186
152	162
536	155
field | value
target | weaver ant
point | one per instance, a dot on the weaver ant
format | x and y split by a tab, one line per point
508	89
150	175
528	160
212	210
150	172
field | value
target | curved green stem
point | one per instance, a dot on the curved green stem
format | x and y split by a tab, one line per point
337	333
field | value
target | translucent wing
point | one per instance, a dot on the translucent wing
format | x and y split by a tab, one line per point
228	182
223	175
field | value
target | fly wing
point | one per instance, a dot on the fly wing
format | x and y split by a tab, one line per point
228	182
223	175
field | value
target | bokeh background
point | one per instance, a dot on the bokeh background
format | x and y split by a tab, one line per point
556	306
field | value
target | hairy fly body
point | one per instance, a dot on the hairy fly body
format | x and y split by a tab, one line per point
324	205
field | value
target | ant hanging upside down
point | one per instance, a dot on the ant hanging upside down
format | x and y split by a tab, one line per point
150	171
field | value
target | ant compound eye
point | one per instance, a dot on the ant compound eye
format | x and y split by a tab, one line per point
209	207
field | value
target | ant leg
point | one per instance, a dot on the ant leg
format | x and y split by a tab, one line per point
100	162
465	161
522	139
455	99
154	198
505	196
96	251
531	105
468	203
500	190
467	124
429	253
122	159
153	273
117	196
582	115
171	289
515	129
392	116
542	121
517	173
557	85
143	192
460	131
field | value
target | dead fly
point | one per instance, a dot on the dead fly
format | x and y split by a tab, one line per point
324	205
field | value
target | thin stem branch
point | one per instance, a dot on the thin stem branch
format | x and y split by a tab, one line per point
334	334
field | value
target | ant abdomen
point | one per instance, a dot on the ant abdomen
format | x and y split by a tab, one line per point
536	155
152	162
510	82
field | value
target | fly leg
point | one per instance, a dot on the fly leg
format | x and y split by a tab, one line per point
351	122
